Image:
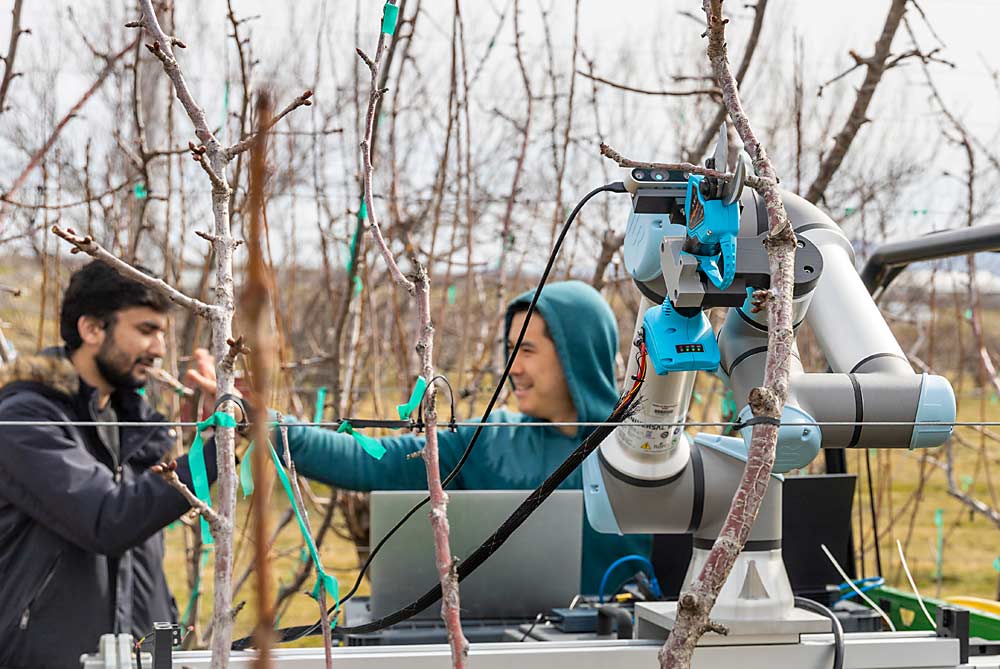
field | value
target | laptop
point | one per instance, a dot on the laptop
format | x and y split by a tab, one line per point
537	569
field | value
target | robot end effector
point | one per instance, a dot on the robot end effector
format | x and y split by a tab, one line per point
677	250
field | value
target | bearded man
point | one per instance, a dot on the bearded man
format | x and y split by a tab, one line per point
81	509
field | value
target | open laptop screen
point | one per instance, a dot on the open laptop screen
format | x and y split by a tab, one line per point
538	568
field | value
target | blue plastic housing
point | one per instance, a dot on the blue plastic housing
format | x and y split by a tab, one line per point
678	343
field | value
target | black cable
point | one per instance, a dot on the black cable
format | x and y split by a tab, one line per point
871	504
838	629
622	410
537	620
615	187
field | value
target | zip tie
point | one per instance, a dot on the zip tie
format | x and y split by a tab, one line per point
372	447
390	13
415	397
756	420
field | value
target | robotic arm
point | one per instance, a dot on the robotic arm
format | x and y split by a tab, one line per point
692	244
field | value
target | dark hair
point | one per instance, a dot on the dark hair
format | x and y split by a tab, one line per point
522	308
98	290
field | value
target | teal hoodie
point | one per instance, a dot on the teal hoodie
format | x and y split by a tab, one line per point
585	333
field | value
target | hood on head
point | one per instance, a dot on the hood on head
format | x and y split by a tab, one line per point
585	333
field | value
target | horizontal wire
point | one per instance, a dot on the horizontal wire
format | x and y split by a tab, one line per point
443	424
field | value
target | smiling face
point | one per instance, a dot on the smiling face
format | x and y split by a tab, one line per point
129	346
539	383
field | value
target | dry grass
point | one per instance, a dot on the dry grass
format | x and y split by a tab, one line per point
971	542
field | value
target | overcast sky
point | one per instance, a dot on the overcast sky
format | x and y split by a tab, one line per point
638	41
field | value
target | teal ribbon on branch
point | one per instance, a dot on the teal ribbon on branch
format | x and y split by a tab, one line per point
390	13
373	447
196	461
320	403
324	581
404	410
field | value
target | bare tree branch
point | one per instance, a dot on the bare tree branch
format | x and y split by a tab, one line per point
419	288
876	66
8	60
244	144
169	473
36	159
712	129
695	603
86	244
374	67
711	92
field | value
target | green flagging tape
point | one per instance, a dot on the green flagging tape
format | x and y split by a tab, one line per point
140	191
141	392
358	285
966	483
325	581
195	591
225	105
320	403
372	447
196	460
390	13
996	564
405	410
451	294
246	472
362	215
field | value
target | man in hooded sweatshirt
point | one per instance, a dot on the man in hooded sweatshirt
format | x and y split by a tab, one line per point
564	372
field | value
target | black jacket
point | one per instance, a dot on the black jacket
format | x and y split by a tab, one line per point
81	552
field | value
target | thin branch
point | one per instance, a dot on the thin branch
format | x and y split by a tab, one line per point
36	159
198	155
162	48
237	347
711	92
374	67
8	60
246	143
876	66
87	245
169	474
754	181
163	376
712	129
68	205
696	602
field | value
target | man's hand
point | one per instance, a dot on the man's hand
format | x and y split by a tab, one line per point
202	374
